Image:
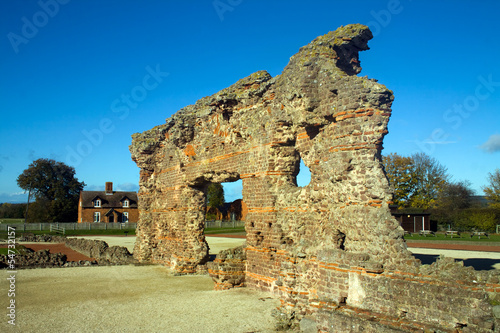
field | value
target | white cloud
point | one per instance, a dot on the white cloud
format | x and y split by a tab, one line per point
17	197
492	145
127	187
94	188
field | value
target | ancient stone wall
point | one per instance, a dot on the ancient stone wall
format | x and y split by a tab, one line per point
322	247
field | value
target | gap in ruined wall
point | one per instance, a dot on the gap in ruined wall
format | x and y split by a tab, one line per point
339	239
233	190
234	207
304	176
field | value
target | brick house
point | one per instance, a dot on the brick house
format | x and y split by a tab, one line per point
108	206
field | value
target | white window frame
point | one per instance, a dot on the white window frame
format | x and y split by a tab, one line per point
125	217
97	203
125	203
97	217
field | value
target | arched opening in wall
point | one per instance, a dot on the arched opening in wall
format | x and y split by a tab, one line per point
224	206
225	225
304	176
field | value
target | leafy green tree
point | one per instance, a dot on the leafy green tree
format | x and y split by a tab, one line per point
215	195
452	200
480	219
493	190
431	178
400	173
483	220
8	210
55	188
455	195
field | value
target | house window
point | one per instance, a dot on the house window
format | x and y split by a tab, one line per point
97	217
125	217
125	203
97	203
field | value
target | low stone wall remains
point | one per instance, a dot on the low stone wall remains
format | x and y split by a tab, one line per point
97	249
228	268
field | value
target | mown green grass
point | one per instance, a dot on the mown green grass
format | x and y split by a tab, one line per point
209	231
464	237
11	221
5	251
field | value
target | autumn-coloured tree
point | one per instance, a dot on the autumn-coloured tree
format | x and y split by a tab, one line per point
417	180
493	190
400	173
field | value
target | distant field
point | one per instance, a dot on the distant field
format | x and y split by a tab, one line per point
11	221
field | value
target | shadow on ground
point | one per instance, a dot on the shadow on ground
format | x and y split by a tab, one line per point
479	264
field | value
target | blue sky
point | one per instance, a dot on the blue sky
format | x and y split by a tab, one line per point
78	78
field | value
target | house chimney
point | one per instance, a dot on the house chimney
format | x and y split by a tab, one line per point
109	188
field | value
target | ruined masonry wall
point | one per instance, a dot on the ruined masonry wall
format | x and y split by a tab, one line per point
328	246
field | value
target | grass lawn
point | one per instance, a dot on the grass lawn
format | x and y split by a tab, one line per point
5	251
11	221
209	231
464	237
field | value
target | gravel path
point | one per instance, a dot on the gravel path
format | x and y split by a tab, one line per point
130	299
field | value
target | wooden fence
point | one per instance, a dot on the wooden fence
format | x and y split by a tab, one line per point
101	226
67	226
224	224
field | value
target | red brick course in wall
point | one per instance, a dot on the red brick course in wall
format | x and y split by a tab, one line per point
330	250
